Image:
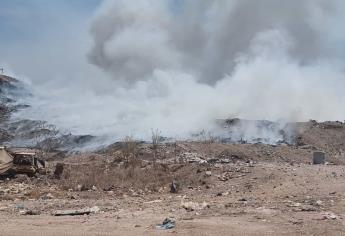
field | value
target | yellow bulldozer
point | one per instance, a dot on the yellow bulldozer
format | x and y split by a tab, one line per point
20	161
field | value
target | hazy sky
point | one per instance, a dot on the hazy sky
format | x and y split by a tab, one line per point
40	38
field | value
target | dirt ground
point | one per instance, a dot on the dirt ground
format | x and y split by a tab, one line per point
223	189
268	199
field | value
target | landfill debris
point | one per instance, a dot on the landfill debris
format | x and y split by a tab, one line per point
327	216
94	188
192	157
58	170
19	206
85	211
29	212
330	216
167	224
48	196
222	194
174	187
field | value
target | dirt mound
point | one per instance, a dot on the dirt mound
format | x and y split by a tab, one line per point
325	136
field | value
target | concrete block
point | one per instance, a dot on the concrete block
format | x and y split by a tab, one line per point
319	158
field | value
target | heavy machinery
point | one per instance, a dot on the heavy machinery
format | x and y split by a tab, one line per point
20	161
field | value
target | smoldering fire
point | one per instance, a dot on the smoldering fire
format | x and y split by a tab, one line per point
177	66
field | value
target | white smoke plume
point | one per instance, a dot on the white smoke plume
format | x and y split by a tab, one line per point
178	65
205	38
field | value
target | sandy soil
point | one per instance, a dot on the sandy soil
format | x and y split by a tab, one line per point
261	198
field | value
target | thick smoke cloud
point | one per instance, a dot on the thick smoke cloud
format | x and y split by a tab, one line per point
177	66
132	39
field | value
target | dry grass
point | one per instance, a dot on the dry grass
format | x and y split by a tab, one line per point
151	177
207	139
129	151
34	194
156	139
126	169
106	174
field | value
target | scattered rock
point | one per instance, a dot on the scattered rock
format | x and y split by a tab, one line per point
208	173
332	216
71	196
192	157
48	196
225	176
223	194
193	206
308	208
81	188
94	188
85	211
296	222
319	203
328	216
